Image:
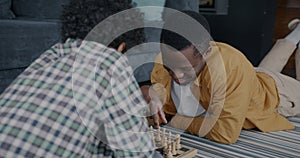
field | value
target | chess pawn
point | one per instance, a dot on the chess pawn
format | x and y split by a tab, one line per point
152	135
158	138
163	132
165	147
163	136
178	145
151	129
169	154
165	142
151	132
170	138
174	151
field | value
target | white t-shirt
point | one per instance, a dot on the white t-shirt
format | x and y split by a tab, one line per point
185	102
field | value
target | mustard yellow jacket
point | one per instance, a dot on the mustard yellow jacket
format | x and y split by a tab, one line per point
234	95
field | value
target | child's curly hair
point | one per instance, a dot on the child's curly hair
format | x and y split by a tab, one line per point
81	16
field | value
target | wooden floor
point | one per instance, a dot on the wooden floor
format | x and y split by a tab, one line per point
286	11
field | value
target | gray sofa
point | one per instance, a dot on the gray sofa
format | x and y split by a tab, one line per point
27	29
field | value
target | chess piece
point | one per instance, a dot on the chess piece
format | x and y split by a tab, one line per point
158	138
174	151
152	135
165	147
151	129
163	131
169	138
151	132
165	143
169	153
163	136
178	146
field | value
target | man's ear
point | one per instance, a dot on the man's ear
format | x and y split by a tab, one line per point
121	47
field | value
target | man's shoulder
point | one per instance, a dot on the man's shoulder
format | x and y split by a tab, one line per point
228	50
99	50
230	55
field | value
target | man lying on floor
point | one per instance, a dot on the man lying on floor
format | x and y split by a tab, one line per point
210	89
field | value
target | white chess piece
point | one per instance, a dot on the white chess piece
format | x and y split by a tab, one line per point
174	151
152	134
165	143
170	137
169	154
165	146
163	137
178	145
158	138
151	129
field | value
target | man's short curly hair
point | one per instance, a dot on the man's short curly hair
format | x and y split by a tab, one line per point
81	16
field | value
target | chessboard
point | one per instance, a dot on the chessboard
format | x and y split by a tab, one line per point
169	145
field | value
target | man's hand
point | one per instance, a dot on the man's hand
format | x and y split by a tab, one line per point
155	110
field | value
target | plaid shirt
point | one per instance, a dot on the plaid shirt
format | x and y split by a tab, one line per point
78	99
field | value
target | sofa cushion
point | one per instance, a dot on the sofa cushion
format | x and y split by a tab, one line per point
5	12
22	41
40	9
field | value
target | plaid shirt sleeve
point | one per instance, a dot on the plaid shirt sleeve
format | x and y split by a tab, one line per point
51	110
120	105
127	125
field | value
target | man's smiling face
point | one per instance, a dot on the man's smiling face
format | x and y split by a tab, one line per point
183	66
